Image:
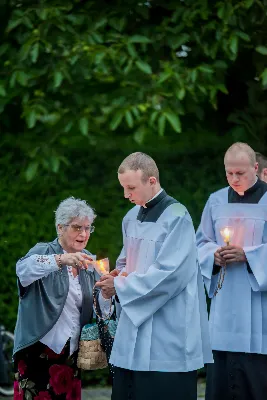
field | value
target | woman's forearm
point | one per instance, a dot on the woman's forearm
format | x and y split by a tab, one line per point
34	267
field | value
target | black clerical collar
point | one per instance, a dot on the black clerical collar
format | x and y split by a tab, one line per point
251	195
253	188
156	199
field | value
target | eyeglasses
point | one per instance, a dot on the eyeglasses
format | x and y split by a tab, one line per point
79	229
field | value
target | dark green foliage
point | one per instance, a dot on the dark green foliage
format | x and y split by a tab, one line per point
99	70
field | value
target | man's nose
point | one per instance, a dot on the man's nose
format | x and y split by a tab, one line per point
235	178
126	195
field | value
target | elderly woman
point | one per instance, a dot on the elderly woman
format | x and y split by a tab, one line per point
55	288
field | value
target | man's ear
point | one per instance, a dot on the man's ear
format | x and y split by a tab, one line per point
152	180
256	167
264	174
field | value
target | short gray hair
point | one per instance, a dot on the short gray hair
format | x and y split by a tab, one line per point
71	208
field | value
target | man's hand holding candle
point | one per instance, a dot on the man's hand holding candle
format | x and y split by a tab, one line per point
232	254
106	284
218	259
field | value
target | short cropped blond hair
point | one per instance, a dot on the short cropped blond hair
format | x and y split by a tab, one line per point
240	147
142	161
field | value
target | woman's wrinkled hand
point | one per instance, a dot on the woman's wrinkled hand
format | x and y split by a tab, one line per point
77	260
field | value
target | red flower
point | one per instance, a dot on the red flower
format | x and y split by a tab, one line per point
75	391
18	392
61	378
43	396
51	354
22	367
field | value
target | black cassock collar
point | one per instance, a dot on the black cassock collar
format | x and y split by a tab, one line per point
155	207
251	195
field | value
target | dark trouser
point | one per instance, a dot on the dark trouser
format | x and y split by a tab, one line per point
150	385
237	376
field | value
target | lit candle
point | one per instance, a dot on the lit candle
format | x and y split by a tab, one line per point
102	266
227	234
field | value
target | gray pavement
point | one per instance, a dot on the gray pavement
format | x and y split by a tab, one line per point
104	393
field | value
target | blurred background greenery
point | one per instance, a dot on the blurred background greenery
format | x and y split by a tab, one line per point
85	83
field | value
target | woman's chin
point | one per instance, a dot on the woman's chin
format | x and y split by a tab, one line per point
79	247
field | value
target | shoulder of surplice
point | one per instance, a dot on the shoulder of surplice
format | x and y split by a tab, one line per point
176	210
132	213
219	195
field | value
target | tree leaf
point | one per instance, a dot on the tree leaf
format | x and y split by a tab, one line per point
264	77
131	50
164	76
13	24
58	78
174	120
35	52
161	124
153	117
55	163
31	119
139	39
84	126
116	120
50	118
139	134
31	172
144	67
194	75
4	48
180	93
243	36
42	13
22	78
234	44
206	68
100	23
222	88
129	119
177	40
262	50
2	91
248	3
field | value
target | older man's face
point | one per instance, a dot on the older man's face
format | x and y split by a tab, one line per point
240	172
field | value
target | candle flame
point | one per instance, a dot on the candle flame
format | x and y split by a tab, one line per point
102	265
227	233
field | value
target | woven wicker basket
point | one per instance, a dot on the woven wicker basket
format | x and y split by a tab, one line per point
91	355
